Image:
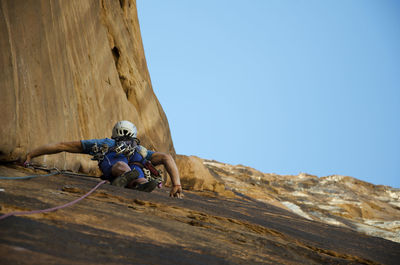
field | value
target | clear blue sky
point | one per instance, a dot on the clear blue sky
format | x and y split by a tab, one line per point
281	86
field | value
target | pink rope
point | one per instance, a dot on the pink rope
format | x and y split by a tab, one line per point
54	208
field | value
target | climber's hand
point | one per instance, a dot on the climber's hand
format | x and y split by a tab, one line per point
176	191
25	160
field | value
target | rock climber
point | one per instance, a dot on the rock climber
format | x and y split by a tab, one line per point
122	160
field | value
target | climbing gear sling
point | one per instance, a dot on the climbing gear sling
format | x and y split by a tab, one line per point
150	172
127	146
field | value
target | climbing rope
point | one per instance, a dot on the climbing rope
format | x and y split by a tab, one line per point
32	176
46	175
57	171
54	208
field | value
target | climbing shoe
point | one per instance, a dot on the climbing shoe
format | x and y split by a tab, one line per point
148	186
124	179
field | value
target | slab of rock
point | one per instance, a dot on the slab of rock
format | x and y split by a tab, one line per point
121	226
196	176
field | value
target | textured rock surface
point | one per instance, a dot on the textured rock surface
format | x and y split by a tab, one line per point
122	226
69	70
336	200
196	176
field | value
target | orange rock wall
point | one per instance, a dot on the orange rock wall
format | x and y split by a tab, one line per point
69	70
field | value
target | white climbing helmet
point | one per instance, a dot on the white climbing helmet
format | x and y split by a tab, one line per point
124	128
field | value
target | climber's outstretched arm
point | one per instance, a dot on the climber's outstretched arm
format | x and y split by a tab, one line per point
166	159
71	147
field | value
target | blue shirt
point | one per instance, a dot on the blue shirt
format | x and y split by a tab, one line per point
141	154
87	146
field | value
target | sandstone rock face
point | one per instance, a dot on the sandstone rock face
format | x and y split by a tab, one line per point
69	70
122	226
196	176
336	200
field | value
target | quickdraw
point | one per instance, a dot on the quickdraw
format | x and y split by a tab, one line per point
150	172
99	152
125	146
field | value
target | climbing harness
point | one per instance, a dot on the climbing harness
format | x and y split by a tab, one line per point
57	171
126	145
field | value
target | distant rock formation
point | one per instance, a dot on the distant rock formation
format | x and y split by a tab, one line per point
69	70
195	176
337	200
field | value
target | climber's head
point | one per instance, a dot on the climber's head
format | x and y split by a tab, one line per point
124	129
